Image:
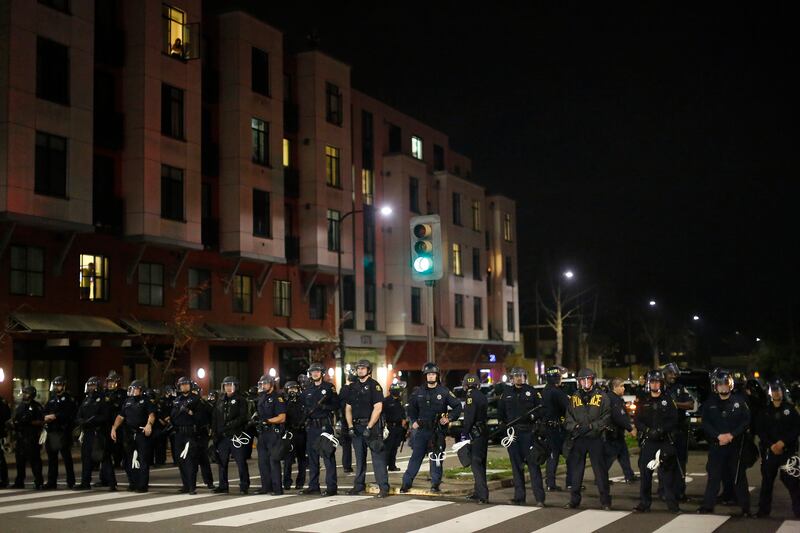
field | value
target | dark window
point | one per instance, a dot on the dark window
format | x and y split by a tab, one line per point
456	209
52	71
317	302
477	312
370	304
413	194
333	104
151	284
51	165
349	300
259	71
509	272
438	158
61	5
334	219
171	193
199	289
93	277
367	141
282	298
510	315
242	294
476	263
459	311
171	111
260	131
395	139
27	271
261	214
369	234
416	305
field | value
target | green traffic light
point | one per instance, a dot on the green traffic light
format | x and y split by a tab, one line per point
423	264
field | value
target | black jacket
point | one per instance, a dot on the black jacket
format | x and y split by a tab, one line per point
656	418
620	421
725	416
589	413
555	403
780	423
231	415
65	408
475	409
515	402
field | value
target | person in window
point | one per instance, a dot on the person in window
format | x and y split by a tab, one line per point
177	48
87	281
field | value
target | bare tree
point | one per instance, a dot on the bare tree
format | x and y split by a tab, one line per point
564	306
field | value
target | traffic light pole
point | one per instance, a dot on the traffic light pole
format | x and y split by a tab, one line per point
430	320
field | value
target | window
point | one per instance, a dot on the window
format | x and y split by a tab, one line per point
477	312
457	209
282	297
334	219
333	104
416	305
171	111
93	277
171	193
199	289
476	215
395	139
476	263
332	177
317	302
509	272
457	260
368	186
260	131
52	71
242	294
413	194
438	158
367	141
261	214
416	147
151	284
27	271
507	227
459	311
174	30
259	71
287	153
51	165
510	315
61	5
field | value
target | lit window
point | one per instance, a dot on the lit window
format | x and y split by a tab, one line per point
93	277
416	147
457	260
507	228
174	21
287	160
332	177
367	186
476	215
242	294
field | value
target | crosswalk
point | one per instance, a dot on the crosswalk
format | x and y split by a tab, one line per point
339	514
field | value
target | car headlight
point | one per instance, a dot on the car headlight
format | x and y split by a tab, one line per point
695	420
492	422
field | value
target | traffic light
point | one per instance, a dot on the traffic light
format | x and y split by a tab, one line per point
426	248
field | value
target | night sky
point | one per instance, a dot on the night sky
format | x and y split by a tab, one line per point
648	147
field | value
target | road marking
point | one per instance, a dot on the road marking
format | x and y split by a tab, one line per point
65	501
34	496
789	526
113	507
478	520
584	522
198	509
279	512
371	517
695	524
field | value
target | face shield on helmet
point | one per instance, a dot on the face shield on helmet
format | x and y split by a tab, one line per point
586	379
92	384
58	384
229	385
292	389
266	383
431	372
518	376
313	369
396	388
722	382
655	382
136	385
776	390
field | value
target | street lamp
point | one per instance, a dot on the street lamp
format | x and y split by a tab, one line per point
569	274
696	318
652	303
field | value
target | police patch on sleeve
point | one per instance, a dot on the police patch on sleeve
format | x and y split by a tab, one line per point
469	401
736	405
527	393
378	388
664	402
786	412
280	399
438	396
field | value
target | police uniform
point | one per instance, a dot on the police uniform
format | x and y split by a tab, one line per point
184	421
345	440
230	419
425	407
362	397
475	417
202	420
116	398
161	430
321	403
725	416
270	405
781	423
615	446
95	415
394	415
656	421
296	425
554	406
28	419
136	410
59	437
588	415
517	401
5	416
679	394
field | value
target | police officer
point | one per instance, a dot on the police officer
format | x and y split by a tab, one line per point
429	416
588	415
27	422
345	439
94	420
138	413
656	421
517	403
554	406
684	402
394	416
615	446
321	402
271	409
229	421
475	430
5	416
363	416
116	396
296	425
59	419
778	431
163	425
725	421
202	420
184	422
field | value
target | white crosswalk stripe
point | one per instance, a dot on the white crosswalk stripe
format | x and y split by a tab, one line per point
584	522
33	496
279	512
478	520
695	524
61	501
371	517
113	507
789	526
227	503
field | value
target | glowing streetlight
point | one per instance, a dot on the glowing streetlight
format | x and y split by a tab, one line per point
569	274
696	318
201	373
386	211
758	339
652	303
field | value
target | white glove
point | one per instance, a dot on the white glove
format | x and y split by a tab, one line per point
80	437
185	451
652	465
135	459
43	437
458	445
385	433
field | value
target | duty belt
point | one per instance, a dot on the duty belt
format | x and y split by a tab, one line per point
318	422
360	421
185	429
393	424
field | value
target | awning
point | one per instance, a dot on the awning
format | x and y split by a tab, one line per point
291	334
58	323
244	332
146	327
315	335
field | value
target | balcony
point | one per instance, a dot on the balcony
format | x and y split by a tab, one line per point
109	129
291	182
291	118
209	232
292	248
